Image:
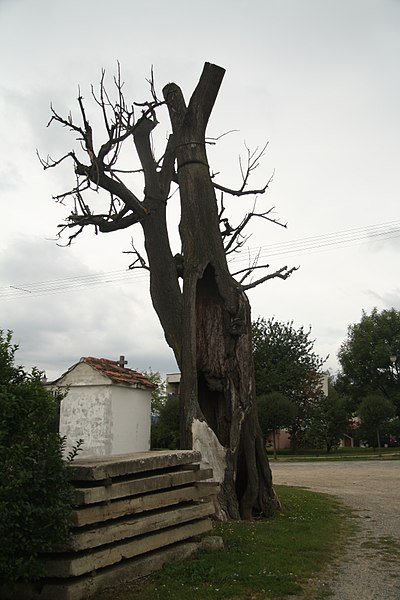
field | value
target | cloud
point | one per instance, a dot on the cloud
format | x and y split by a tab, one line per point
386	300
29	259
319	80
54	330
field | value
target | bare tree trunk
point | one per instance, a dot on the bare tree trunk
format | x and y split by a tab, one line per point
217	390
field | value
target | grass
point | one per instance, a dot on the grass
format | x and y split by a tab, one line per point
338	454
272	558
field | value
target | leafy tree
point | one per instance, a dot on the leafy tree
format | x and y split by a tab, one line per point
165	428
285	362
275	412
375	410
390	432
34	490
369	357
329	421
206	320
159	393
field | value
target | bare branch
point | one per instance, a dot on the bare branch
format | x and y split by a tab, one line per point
70	237
75	192
126	171
213	140
103	102
88	133
101	222
228	229
152	85
248	271
65	122
251	267
49	162
139	262
236	239
151	106
124	207
241	191
222	207
282	273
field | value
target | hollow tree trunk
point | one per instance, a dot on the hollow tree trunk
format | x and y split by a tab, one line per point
217	389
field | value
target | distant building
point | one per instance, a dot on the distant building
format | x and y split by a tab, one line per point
173	381
107	405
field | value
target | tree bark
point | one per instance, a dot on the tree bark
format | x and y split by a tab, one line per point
217	388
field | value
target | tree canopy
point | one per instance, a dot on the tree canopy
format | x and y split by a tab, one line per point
284	358
159	392
370	357
330	419
285	362
165	427
375	410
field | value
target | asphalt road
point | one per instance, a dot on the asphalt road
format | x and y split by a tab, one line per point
369	567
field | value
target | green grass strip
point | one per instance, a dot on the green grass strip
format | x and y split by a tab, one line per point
338	454
272	558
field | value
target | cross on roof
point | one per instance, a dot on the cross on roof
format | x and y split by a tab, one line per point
122	362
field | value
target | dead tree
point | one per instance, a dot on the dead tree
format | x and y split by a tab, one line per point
207	323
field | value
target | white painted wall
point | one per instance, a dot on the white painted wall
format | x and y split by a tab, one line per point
110	418
131	416
86	414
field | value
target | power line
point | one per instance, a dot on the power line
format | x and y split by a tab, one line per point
383	231
380	228
55	286
317	243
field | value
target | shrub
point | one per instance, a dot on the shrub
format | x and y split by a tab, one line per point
165	427
35	496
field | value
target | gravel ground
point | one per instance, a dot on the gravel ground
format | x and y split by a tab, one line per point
369	568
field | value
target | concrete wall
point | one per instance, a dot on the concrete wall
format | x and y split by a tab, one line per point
282	440
86	413
110	418
173	381
131	416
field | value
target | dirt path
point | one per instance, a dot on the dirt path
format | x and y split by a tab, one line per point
369	568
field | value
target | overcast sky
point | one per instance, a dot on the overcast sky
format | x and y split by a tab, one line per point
317	80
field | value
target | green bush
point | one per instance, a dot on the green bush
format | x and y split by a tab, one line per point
165	427
35	496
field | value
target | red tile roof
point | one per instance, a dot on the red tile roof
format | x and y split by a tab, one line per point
117	374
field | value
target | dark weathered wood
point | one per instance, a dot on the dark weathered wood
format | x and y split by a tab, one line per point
100	513
143	485
131	527
89	585
81	564
128	537
99	468
217	387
